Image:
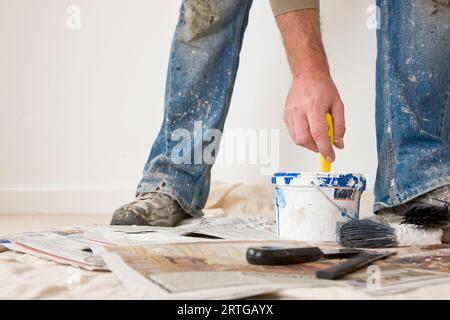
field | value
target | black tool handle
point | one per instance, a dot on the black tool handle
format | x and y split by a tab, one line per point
350	265
282	255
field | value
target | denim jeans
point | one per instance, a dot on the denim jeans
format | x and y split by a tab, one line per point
412	120
412	100
203	63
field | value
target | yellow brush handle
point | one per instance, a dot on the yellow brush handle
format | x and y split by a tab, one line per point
325	166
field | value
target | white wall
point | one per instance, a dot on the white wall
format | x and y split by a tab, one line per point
79	109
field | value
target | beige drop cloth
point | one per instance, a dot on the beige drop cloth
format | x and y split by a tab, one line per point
27	277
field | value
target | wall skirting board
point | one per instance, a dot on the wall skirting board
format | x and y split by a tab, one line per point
38	200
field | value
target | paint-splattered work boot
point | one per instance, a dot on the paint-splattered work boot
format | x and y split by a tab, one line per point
150	209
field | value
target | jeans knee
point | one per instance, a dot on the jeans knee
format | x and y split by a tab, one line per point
201	17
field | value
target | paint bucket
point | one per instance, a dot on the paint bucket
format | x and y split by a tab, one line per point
309	205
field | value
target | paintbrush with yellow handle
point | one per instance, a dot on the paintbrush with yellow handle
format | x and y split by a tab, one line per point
325	166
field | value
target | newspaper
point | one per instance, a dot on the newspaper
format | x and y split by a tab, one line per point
218	270
399	280
207	270
411	268
250	228
73	245
205	259
55	247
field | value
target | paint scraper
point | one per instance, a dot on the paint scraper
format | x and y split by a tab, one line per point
293	255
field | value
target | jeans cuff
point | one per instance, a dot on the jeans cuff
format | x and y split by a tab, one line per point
414	193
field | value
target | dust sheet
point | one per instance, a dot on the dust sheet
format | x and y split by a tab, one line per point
415	273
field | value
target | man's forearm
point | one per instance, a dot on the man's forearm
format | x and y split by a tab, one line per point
303	42
312	93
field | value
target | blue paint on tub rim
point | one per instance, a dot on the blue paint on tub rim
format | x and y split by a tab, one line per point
346	180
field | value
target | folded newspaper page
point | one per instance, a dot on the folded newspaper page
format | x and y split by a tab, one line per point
56	247
257	228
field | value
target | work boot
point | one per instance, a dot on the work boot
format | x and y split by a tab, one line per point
429	210
150	209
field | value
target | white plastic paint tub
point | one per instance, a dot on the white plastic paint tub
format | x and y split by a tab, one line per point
309	205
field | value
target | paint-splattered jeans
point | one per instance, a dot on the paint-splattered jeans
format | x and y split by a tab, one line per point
203	63
412	101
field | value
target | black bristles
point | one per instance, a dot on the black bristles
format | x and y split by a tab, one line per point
366	234
428	216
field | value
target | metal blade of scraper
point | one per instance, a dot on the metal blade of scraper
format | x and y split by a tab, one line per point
340	253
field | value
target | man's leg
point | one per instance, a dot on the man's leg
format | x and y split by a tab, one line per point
202	69
412	104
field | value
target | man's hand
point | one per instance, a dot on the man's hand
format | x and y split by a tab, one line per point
313	92
311	96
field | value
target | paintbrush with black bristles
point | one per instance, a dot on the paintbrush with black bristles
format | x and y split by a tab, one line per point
420	226
428	216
